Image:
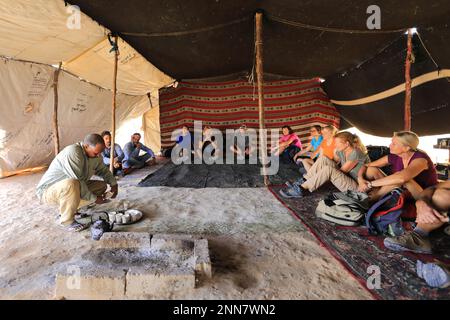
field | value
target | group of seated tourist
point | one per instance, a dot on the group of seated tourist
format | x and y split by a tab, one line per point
130	157
341	158
208	145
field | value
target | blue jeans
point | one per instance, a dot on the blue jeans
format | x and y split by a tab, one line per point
136	162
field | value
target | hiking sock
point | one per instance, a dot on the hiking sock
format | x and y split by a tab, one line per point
421	232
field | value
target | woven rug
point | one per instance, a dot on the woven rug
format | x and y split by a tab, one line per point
226	105
357	251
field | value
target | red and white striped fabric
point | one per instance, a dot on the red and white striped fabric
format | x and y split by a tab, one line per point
226	105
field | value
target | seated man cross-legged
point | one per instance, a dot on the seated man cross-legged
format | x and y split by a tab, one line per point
118	153
132	159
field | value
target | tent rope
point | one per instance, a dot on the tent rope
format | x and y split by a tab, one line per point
429	54
183	33
327	29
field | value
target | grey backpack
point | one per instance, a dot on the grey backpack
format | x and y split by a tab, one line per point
344	208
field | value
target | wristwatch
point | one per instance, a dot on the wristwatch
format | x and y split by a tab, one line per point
369	185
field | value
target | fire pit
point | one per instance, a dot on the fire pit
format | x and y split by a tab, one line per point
136	265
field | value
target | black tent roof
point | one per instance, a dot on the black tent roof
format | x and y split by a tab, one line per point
288	50
192	39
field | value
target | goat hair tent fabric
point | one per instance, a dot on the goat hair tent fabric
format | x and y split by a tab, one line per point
377	87
302	40
226	105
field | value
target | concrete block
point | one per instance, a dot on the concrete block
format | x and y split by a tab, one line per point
91	283
141	282
121	240
202	258
176	236
169	243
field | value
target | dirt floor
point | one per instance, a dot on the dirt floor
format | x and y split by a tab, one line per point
258	250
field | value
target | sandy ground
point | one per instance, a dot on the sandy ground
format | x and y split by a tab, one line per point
258	250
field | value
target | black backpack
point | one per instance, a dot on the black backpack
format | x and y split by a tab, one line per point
378	152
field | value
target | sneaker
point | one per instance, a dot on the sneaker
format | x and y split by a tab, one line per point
299	181
436	275
292	192
126	171
150	162
409	241
302	171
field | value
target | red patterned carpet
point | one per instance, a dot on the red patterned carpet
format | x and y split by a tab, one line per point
357	250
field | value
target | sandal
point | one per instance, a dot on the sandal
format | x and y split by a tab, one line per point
77	227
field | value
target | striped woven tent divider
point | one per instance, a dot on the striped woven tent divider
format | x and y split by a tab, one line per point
227	105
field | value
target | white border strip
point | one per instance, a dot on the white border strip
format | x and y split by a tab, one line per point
427	77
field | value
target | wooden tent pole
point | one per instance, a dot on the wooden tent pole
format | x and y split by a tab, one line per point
114	94
55	109
407	112
260	79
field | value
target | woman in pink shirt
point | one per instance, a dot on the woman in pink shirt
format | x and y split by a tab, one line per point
289	144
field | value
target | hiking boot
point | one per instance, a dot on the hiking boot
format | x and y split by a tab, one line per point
409	241
292	192
302	171
436	275
297	182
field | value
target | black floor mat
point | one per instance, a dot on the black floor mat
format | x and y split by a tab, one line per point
217	176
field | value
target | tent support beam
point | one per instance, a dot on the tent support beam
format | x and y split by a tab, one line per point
407	112
113	110
55	109
260	79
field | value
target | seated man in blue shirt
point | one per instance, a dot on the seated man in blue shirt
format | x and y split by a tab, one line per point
132	159
118	153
